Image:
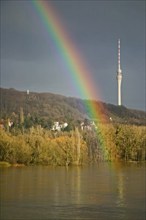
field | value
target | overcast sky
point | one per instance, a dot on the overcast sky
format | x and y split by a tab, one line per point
27	61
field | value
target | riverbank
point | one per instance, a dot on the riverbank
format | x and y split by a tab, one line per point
38	146
7	164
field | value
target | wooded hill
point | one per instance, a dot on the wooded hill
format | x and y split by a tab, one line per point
48	107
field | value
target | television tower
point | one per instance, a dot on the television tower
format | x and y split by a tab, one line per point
119	75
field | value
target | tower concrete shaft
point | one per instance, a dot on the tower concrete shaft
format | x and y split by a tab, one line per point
119	76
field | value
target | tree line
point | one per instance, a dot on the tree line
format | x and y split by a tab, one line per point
38	145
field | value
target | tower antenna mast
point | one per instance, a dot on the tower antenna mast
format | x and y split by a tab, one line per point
119	75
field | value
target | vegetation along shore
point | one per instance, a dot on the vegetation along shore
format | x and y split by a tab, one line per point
40	146
50	129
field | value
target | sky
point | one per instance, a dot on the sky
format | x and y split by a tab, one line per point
29	63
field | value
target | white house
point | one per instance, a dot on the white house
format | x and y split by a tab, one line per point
57	126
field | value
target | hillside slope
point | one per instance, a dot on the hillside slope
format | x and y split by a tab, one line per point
61	108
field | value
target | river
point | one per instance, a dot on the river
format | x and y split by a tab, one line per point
105	191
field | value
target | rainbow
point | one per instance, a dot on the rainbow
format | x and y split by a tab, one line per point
76	67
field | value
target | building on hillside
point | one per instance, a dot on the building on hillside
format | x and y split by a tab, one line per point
88	126
58	126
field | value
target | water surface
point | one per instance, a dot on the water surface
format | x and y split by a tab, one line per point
104	191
